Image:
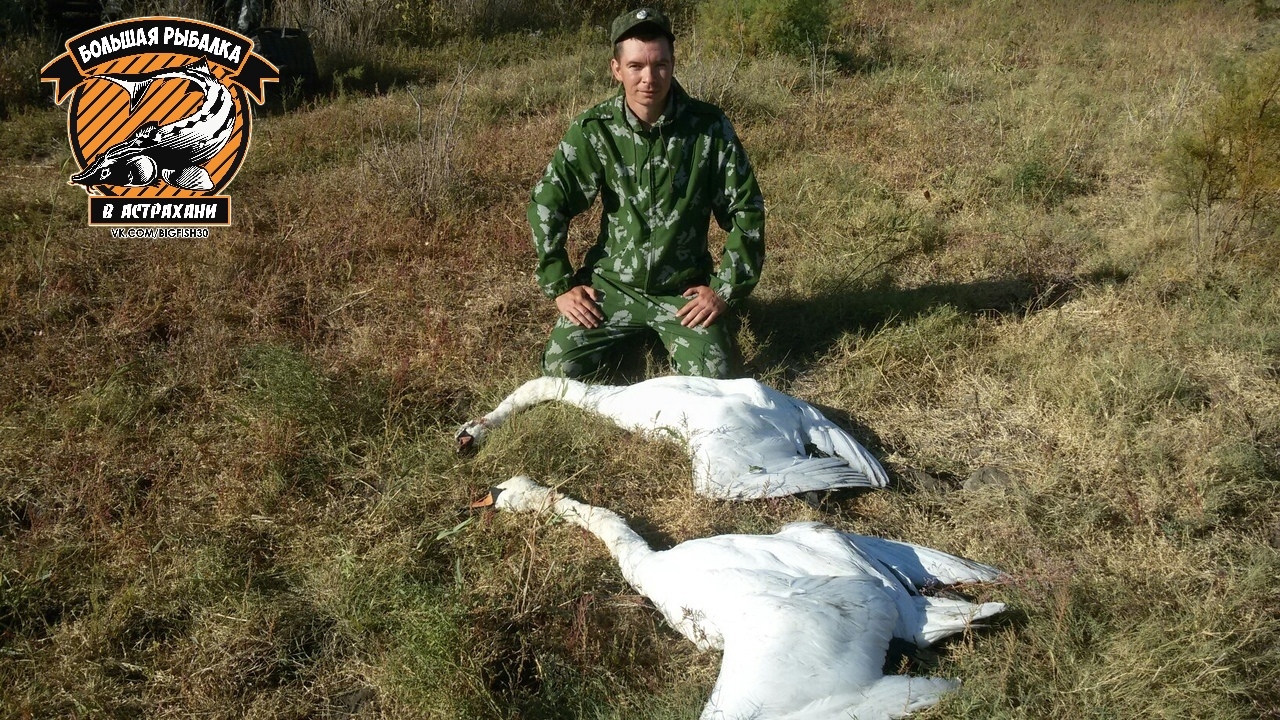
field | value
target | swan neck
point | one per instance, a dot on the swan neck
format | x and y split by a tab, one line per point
626	546
537	391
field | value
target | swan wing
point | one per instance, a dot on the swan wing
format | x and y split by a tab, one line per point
921	566
833	440
799	641
737	471
813	647
929	619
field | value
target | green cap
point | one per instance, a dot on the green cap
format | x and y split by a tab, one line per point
628	21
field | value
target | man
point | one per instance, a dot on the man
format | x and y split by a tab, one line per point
663	164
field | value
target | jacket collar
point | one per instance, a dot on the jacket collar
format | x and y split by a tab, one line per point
617	110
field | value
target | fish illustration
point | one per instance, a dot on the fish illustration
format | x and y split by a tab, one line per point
173	152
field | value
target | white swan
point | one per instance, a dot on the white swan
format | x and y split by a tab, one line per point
747	440
804	616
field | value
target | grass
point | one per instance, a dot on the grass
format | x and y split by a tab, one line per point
227	485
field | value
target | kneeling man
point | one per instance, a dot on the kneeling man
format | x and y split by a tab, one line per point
662	164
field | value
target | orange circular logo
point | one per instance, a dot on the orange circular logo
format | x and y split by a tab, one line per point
159	110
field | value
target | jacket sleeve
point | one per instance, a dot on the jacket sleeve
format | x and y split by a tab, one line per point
739	210
567	188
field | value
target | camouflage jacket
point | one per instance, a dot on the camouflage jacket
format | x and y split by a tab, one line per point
659	189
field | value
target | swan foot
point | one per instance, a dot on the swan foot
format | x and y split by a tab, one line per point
813	499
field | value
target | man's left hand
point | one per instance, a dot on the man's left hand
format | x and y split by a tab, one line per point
703	308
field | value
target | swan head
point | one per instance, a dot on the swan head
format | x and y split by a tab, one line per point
470	436
519	494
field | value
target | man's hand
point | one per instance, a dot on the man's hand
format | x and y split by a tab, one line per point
705	306
578	304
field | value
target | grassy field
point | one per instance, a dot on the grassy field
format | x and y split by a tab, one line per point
227	479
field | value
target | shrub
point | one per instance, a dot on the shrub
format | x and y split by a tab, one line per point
421	171
428	20
19	17
753	27
349	28
20	61
1225	168
1046	177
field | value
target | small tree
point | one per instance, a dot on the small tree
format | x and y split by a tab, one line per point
1226	168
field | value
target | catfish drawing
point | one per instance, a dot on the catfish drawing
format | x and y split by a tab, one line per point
173	152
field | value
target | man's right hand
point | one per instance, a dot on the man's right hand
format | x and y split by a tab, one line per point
578	304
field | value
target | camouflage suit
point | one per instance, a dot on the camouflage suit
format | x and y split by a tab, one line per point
659	188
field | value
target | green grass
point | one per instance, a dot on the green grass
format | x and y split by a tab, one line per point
227	485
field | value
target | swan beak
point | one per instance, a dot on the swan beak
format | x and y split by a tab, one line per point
488	500
466	443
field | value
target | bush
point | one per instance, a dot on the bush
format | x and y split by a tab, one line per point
1226	167
354	28
20	61
430	20
1044	178
18	17
753	27
420	172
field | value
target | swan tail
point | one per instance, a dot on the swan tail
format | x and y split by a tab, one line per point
924	567
944	617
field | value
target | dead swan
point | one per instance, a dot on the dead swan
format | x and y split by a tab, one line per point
747	440
804	616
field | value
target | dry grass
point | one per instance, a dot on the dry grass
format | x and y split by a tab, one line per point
226	479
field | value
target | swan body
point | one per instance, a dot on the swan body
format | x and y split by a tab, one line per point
804	617
747	440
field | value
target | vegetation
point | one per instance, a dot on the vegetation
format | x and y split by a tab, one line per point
227	482
1226	167
754	27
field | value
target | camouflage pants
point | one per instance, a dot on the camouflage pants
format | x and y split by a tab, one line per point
578	352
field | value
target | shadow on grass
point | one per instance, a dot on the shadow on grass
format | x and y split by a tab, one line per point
341	78
653	534
796	331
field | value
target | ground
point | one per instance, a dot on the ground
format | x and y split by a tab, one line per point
227	480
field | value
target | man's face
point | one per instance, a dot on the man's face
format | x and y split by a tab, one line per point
644	68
